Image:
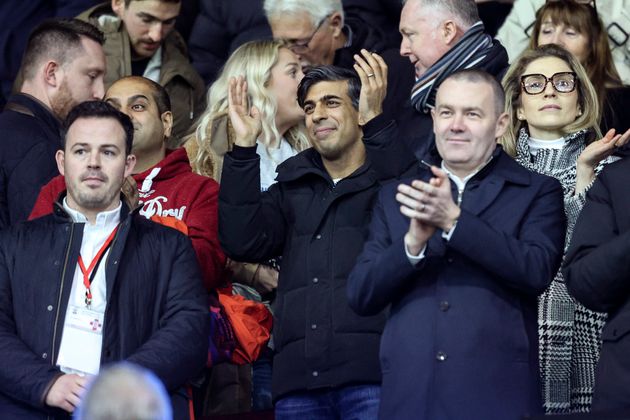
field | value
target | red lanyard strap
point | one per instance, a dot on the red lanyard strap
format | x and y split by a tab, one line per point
90	272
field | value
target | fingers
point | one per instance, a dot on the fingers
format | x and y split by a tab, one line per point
623	139
237	92
371	66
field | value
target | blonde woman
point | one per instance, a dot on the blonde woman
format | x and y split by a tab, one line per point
554	112
273	73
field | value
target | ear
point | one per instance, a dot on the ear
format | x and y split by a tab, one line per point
433	118
52	72
520	114
118	7
449	32
167	122
502	124
336	23
60	157
130	163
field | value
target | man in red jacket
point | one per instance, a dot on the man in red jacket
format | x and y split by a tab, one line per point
167	187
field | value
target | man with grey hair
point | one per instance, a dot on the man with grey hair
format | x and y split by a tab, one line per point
320	32
125	391
63	65
439	37
459	254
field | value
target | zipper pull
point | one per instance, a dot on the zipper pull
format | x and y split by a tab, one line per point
460	195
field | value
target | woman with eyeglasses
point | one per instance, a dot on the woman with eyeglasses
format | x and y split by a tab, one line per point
576	26
553	111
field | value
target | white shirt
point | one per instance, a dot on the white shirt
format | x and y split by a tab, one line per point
535	144
270	159
94	237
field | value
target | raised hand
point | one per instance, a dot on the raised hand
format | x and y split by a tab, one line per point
246	121
372	71
595	153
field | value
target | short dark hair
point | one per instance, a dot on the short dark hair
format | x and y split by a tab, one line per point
330	74
99	109
482	76
59	39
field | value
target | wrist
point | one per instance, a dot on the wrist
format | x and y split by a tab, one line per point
451	220
414	247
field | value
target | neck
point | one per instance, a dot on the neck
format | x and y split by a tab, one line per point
148	160
350	161
30	88
545	134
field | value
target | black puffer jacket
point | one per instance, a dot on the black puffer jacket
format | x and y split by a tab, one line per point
319	229
156	312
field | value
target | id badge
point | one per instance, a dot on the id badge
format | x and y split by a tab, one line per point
82	340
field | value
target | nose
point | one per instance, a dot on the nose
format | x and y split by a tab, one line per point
404	47
457	123
98	90
156	32
94	161
549	89
319	113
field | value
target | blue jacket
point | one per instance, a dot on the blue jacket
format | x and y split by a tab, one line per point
156	313
461	338
30	138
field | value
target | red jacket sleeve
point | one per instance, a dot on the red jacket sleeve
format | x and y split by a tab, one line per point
47	197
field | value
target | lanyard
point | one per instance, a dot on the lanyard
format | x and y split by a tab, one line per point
90	272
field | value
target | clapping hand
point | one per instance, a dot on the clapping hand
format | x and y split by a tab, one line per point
246	121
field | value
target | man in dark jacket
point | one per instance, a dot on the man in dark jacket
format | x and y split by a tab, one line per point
320	32
460	255
63	65
438	37
316	217
93	283
597	273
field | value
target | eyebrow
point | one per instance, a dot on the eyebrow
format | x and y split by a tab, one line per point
465	109
84	144
145	15
136	97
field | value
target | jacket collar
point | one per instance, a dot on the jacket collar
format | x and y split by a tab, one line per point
62	216
37	109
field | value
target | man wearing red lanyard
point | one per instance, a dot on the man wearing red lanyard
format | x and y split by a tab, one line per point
94	283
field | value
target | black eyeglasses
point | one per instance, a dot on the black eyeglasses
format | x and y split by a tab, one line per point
563	82
301	46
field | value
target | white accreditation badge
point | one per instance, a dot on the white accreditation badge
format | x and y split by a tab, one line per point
80	350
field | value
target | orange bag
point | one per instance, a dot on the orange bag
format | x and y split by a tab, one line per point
251	322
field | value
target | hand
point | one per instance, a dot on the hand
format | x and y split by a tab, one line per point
372	71
67	391
130	191
266	279
595	153
246	121
430	202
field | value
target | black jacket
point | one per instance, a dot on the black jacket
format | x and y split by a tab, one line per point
30	138
597	274
414	131
319	229
156	313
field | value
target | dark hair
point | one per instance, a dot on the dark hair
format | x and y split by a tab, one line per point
481	76
330	74
161	1
160	95
59	39
99	109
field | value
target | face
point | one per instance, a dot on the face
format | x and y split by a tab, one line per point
135	98
565	36
79	80
548	112
331	120
421	40
148	23
320	40
466	124
94	164
286	75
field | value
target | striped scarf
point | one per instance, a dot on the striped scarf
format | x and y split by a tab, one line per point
466	53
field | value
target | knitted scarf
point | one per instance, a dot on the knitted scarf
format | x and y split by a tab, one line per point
469	51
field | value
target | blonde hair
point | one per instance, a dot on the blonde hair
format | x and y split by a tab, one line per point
587	96
254	61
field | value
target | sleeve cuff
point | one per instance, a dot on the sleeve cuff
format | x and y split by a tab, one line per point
415	259
242	153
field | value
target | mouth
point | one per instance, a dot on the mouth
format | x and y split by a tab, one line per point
149	45
457	141
550	107
323	132
93	180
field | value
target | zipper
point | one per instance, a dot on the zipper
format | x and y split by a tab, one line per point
460	195
63	276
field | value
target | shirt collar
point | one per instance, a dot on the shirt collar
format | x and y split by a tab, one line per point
103	218
461	183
